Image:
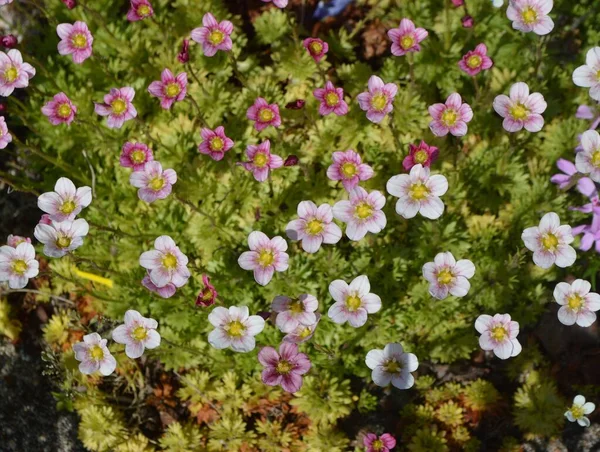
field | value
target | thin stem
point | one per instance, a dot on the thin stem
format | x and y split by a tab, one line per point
37	292
200	116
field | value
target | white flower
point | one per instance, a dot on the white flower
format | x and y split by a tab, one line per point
234	328
166	263
418	192
266	256
392	365
531	15
61	238
66	201
137	334
497	3
445	275
353	302
588	75
499	334
18	264
314	226
362	213
587	161
577	303
94	355
578	411
293	312
550	242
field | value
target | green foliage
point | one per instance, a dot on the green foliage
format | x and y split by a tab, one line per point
324	399
100	429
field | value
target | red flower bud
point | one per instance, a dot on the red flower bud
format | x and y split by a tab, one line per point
296	105
70	3
458	3
467	21
291	160
184	55
9	41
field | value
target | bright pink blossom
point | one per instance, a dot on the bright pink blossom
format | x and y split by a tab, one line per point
208	294
293	312
117	106
261	161
213	35
284	368
475	61
135	155
521	109
531	15
362	213
406	38
5	137
139	10
423	154
266	256
166	263
76	40
332	100
452	117
316	48
383	443
263	114
314	226
348	167
169	88
13	72
60	110
377	101
215	143
153	182
499	334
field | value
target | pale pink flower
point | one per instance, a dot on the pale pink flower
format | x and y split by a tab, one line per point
15	240
266	256
531	15
261	161
60	238
94	355
362	213
215	143
577	303
5	2
213	35
392	365
353	302
423	154
406	37
314	227
117	106
383	443
76	40
475	61
348	167
446	276
302	333
587	161
279	4
521	109
167	291
499	334
13	72
263	114
377	101
234	328
135	155
452	117
332	100
418	192
316	48
66	201
550	242
588	75
137	333
60	110
169	88
18	264
153	182
5	137
284	368
139	10
166	263
293	312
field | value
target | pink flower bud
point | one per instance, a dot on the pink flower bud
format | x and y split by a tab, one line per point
70	3
296	105
184	55
467	21
9	41
458	3
291	160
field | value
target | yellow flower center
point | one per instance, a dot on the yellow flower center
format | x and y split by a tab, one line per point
296	306
596	158
216	37
19	266
207	295
266	258
173	89
332	99
445	277
378	101
598	75
169	261
550	241
305	333
139	333
118	106
575	302
68	207
96	353
449	117
353	302
474	61
377	445
577	411
265	114
79	41
235	328
392	366
63	242
138	156
519	111
529	15
156	183
260	159
421	157
314	227
284	367
363	210
11	74
64	111
316	47
418	191
143	10
349	170
407	42
217	144
499	333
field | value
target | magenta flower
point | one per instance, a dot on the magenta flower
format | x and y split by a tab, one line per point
406	38
293	312
499	334
15	240
169	88
316	48
348	167
261	161
13	72
302	333
139	10
263	114
5	137
208	294
531	15
66	201
423	154
332	100
153	182
284	368
278	3
452	117
137	333
215	143
591	234
353	302
475	61
60	110
362	213
213	35
266	256
521	109
94	355
76	40
166	263
117	106
587	187
578	304
167	291
383	443
566	179
18	264
135	155
314	227
377	101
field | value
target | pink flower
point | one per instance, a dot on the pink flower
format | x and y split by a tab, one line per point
423	154
499	334
348	167
94	355
5	137
406	38
13	72
60	238
362	213
166	263
531	15
279	4
353	302
153	182
284	368
577	303
550	242
266	256
261	161
166	291
521	109
377	101
208	295
234	328
137	333
379	444
316	48
135	155
586	76
66	201
475	61
215	143
76	40
170	88
452	117
18	264
139	10
117	106
293	312
314	227
264	114
302	333
16	240
445	276
332	100
60	110
213	35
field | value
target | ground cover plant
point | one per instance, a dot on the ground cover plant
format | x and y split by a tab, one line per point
287	226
